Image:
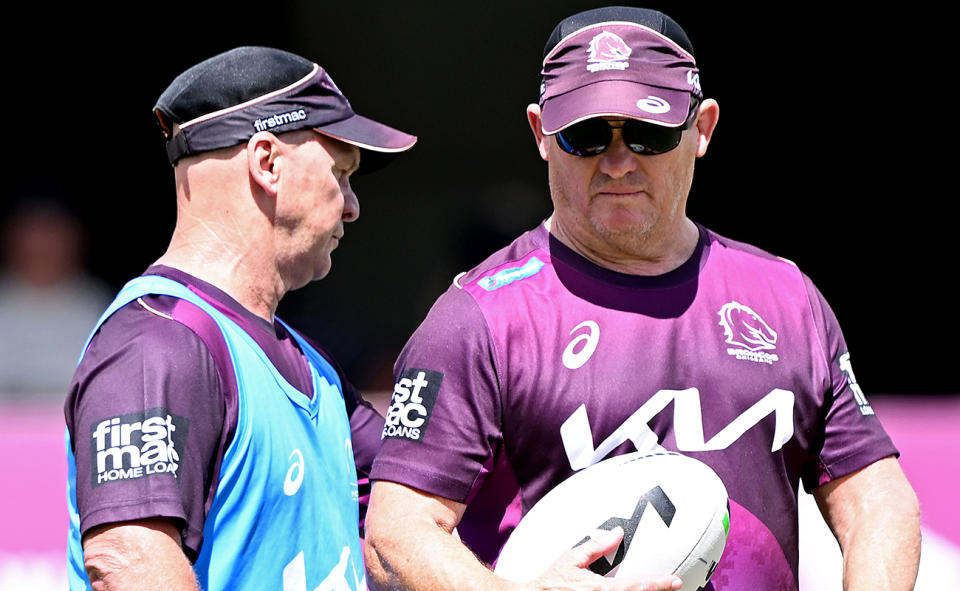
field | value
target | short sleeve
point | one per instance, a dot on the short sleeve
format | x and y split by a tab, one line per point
443	426
851	435
146	415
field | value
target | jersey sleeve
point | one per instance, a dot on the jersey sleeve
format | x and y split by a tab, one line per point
443	426
851	436
146	418
366	425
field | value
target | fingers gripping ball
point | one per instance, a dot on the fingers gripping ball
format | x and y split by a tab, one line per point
673	510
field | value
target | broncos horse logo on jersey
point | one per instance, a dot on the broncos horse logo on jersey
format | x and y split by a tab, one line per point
744	328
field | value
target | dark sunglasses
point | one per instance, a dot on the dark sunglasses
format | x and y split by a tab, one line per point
591	137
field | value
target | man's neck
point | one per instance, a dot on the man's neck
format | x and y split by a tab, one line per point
234	275
658	258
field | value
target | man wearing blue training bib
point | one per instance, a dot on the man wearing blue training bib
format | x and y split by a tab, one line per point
209	444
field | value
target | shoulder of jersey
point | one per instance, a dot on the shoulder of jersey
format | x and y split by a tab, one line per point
746	248
520	260
150	323
495	275
148	318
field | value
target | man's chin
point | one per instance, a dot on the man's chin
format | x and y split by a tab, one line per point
305	279
622	228
324	269
320	274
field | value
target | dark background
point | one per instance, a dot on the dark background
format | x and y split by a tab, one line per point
832	151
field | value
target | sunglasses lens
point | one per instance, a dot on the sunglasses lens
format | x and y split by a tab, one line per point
648	138
587	138
592	136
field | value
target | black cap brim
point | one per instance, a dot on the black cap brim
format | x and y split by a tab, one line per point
379	142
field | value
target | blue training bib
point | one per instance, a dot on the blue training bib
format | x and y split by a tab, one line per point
285	514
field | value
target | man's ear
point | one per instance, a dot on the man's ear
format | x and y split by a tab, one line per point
706	123
533	117
262	152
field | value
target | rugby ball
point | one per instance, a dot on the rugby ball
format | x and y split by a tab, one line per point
673	509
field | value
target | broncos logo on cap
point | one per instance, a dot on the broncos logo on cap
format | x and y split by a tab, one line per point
744	327
608	47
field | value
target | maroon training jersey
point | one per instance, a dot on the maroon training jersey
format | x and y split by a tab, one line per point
538	363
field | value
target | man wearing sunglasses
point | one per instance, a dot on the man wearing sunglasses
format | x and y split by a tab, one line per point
620	324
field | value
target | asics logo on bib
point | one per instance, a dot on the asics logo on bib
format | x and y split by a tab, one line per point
136	445
414	395
291	484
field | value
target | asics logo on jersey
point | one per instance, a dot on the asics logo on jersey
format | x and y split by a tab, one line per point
577	435
414	395
748	334
582	347
136	445
608	51
294	478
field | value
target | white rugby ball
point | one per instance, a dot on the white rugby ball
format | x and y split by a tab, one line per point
674	511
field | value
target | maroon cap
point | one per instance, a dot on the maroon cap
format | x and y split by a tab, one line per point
621	69
225	100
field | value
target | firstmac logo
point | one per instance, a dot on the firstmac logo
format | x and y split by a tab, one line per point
280	119
414	395
136	445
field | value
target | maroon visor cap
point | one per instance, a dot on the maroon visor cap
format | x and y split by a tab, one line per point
617	68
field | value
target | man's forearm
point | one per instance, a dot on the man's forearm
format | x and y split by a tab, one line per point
883	555
875	515
140	556
410	547
422	558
